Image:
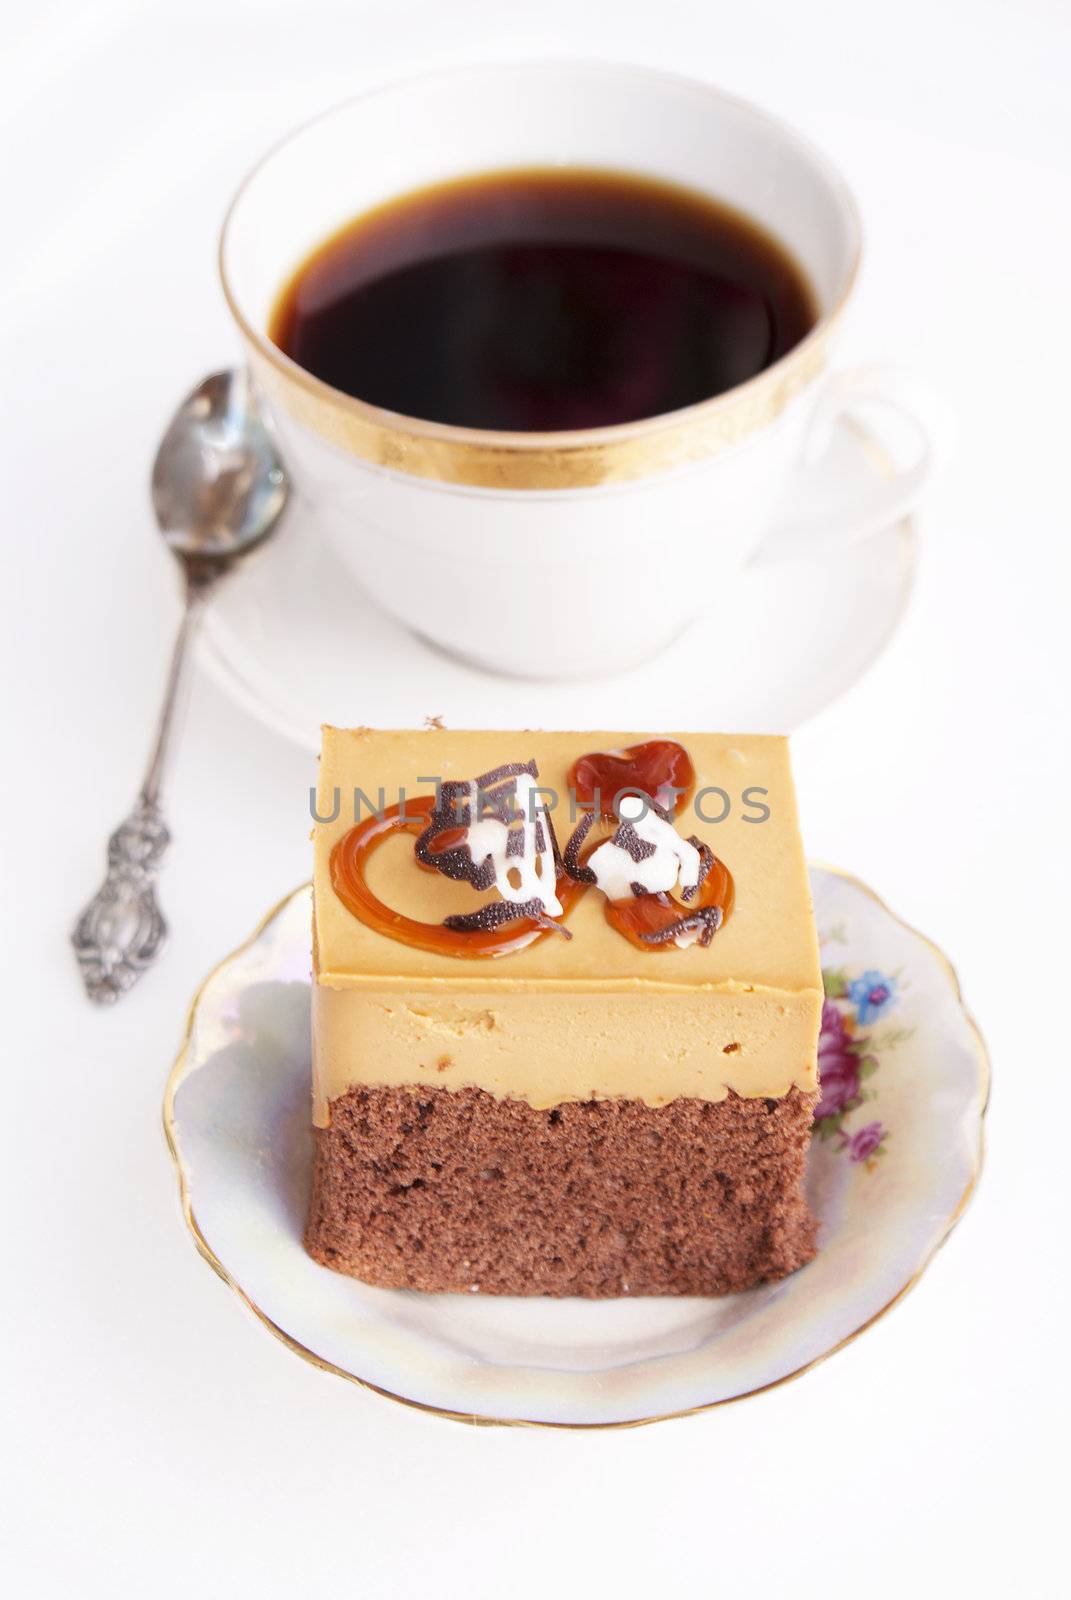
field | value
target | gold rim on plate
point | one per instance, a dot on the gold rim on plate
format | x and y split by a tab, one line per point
176	1074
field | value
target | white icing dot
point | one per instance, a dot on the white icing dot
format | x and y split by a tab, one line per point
673	859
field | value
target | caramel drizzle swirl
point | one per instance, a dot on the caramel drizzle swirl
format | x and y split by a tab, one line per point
650	921
349	881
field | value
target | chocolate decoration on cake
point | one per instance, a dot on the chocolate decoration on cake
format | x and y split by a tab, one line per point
497	830
639	905
486	831
626	838
705	922
571	854
456	807
496	912
706	861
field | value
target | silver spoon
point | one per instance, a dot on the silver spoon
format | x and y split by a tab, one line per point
218	489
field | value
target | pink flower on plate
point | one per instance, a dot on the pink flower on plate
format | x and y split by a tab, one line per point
865	1142
838	1064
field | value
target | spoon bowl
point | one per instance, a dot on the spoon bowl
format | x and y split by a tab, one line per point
218	485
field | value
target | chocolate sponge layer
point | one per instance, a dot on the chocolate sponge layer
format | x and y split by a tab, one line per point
459	1191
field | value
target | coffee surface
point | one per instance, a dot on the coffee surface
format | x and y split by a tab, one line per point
544	300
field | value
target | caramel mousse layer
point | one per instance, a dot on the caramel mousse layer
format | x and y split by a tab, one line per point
588	1018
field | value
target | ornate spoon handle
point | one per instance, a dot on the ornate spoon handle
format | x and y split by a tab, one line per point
121	931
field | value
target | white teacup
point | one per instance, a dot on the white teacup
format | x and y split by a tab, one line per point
557	554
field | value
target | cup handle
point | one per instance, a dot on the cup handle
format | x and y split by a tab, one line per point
921	429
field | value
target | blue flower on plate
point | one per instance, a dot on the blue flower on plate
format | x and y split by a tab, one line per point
871	995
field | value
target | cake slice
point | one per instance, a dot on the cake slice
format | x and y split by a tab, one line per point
566	1001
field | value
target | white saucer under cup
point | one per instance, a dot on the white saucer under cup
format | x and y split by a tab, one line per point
297	642
894	1160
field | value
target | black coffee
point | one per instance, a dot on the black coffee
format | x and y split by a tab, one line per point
544	300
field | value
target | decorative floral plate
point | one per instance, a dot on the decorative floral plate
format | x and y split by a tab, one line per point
896	1154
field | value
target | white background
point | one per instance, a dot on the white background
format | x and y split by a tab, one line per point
159	1442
